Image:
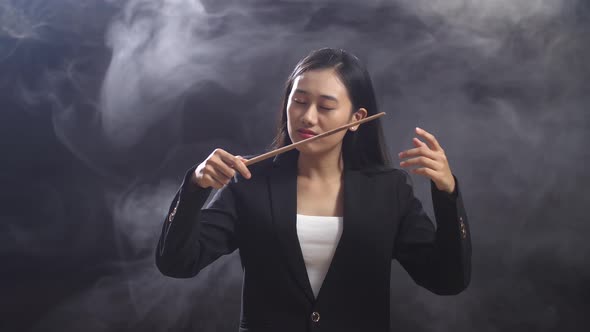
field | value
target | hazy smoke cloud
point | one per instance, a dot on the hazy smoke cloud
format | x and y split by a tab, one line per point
164	49
155	61
135	211
140	298
135	92
476	12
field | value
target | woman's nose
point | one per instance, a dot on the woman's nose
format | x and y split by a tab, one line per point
309	118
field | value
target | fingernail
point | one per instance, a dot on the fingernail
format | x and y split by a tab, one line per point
400	154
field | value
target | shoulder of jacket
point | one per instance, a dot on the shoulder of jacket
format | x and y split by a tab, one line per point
389	174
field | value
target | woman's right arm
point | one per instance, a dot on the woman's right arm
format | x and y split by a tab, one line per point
194	236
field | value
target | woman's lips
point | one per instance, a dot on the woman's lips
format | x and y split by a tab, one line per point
305	136
304	133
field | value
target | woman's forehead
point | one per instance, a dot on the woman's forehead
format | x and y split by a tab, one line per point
319	82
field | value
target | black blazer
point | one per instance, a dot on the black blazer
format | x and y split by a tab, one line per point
382	220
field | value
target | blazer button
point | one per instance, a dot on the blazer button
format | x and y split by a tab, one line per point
172	214
462	228
315	316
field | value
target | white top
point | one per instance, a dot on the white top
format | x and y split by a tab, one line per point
318	238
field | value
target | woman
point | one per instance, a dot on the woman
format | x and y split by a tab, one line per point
317	227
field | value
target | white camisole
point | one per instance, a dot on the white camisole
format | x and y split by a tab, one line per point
318	238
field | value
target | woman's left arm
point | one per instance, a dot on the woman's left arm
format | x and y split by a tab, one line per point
439	260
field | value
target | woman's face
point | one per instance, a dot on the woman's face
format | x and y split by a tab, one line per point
319	102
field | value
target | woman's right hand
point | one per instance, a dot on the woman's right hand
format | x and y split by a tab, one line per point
218	169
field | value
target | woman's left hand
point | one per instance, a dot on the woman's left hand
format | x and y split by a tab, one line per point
432	159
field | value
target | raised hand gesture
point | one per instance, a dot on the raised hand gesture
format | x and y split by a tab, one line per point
431	161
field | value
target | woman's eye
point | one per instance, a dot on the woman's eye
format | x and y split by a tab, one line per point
298	101
326	108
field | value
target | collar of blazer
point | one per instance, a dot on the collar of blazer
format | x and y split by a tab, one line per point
283	193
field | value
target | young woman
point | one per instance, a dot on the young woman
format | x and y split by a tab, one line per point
318	227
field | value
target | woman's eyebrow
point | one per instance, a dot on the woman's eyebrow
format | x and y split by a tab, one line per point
329	97
322	96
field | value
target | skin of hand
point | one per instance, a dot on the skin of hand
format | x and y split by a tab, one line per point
217	170
430	160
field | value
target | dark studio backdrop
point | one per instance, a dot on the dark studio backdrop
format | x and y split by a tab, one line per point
105	104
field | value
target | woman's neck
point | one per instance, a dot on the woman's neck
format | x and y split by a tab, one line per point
325	166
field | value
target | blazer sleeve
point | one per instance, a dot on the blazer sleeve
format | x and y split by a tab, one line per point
436	259
194	235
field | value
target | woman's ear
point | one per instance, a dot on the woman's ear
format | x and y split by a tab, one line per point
358	115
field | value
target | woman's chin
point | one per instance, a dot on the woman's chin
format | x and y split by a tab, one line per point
308	150
314	149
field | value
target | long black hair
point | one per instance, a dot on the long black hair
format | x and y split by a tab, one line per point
363	148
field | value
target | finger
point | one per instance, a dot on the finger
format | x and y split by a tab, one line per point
237	164
213	182
430	139
419	151
214	174
222	167
226	156
242	159
242	168
421	161
220	178
424	171
418	143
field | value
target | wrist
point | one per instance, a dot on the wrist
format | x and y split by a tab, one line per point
448	188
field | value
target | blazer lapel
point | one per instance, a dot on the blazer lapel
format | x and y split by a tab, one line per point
355	211
283	194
